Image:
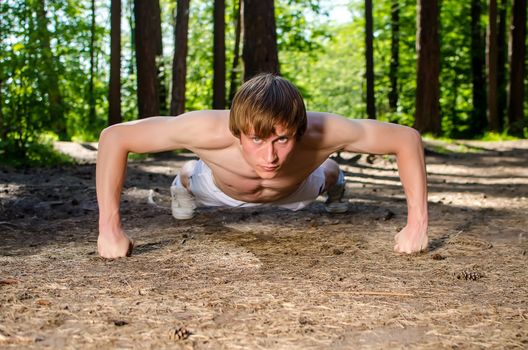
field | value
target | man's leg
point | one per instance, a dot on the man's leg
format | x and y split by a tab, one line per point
183	202
334	187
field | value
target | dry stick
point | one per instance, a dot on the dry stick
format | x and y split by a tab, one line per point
389	294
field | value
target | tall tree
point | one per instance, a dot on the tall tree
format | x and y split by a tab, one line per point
237	11
147	35
517	56
502	48
130	17
478	112
427	117
51	78
395	54
114	91
3	129
492	56
179	61
369	58
160	67
260	38
91	94
219	60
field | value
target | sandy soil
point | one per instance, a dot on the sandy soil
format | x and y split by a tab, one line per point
270	278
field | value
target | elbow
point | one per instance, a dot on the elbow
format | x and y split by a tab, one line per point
110	136
415	137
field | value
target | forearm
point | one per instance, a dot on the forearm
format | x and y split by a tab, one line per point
110	174
411	166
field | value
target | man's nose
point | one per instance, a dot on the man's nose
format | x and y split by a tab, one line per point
271	153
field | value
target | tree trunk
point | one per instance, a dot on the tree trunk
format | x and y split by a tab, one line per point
395	52
517	52
91	94
478	120
160	67
147	33
132	61
114	91
179	61
219	60
51	78
502	48
427	118
492	56
236	54
3	129
260	38
369	58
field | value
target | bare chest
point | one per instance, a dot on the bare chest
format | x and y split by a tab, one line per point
238	180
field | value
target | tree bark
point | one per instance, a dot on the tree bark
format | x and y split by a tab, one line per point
427	118
3	129
478	113
492	56
114	91
260	38
219	60
51	78
147	33
179	61
502	48
517	55
160	68
395	52
132	61
236	53
369	58
91	93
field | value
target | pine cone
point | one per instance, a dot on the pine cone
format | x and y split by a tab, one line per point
180	334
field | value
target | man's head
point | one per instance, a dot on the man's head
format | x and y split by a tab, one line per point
268	116
265	101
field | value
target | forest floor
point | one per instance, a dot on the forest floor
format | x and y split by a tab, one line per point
270	278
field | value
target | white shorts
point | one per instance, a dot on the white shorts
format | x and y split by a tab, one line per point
207	194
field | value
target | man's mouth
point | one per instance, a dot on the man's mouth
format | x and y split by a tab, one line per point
270	167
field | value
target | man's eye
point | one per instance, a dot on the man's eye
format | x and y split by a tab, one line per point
283	140
257	140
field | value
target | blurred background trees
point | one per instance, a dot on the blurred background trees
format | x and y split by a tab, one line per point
70	68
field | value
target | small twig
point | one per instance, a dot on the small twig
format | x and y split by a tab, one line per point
9	225
388	294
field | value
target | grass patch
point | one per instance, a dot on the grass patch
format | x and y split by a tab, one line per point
33	154
496	137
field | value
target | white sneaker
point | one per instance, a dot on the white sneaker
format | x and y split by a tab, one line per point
182	204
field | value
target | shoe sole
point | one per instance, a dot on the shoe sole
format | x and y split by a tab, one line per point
182	215
338	209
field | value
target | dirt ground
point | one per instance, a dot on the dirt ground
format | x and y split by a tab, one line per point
270	278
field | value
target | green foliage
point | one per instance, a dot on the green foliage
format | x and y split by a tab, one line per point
31	71
35	152
45	55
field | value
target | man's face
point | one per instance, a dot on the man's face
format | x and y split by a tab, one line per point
267	156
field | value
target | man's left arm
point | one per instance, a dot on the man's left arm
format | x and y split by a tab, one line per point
368	136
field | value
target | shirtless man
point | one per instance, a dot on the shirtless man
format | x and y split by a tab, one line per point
265	150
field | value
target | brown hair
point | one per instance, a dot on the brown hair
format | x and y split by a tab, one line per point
265	101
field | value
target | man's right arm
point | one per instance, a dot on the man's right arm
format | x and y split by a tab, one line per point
144	136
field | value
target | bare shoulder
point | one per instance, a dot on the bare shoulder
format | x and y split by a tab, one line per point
335	132
332	131
207	129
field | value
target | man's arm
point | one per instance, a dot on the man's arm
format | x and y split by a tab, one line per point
368	136
144	136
